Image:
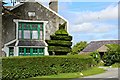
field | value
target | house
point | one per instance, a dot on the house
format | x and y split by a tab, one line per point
27	25
99	46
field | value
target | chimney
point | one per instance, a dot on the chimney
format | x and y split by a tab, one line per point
54	5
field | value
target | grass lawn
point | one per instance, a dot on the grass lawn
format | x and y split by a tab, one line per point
66	76
116	65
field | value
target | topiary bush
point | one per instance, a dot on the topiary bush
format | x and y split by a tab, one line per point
60	43
112	55
15	68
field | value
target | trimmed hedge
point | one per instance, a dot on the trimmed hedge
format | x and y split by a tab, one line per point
61	32
15	68
55	37
59	42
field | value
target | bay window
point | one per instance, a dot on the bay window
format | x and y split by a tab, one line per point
28	30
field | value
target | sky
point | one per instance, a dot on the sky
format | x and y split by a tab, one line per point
90	21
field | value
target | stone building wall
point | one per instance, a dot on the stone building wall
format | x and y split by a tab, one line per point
21	12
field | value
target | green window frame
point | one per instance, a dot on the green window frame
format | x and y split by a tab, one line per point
30	27
23	51
35	51
11	51
28	52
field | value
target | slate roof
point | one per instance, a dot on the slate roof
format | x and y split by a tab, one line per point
26	43
31	43
94	45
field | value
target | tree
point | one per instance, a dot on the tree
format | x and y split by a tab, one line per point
78	47
112	55
60	43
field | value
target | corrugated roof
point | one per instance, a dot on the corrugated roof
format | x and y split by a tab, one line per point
94	45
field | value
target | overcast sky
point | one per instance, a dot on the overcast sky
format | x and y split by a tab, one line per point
90	20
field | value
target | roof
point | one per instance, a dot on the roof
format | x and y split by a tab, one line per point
12	8
27	43
9	7
31	43
94	45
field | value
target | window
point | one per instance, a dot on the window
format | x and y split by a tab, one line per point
31	14
34	34
21	51
35	51
27	51
41	51
41	35
31	51
20	34
26	34
11	51
30	31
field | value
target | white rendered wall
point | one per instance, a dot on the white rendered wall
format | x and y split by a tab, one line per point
46	51
16	49
6	50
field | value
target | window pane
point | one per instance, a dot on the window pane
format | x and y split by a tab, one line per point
27	50
34	34
21	51
20	34
41	35
26	34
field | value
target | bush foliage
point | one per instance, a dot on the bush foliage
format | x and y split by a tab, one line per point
112	55
15	68
78	47
60	43
96	56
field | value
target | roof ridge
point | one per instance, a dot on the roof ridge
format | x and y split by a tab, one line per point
104	40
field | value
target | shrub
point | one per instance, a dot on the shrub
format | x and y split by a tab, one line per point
55	37
61	32
60	43
15	68
112	55
78	47
96	56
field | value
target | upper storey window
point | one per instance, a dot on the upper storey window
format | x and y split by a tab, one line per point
31	14
30	30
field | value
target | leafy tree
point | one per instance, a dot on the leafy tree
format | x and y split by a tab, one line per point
78	47
112	55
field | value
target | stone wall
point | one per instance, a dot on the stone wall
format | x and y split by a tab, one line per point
21	12
0	30
0	35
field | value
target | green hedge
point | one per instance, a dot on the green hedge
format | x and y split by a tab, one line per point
59	42
55	37
61	32
59	49
15	68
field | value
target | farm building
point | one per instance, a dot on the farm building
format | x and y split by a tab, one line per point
99	46
26	26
